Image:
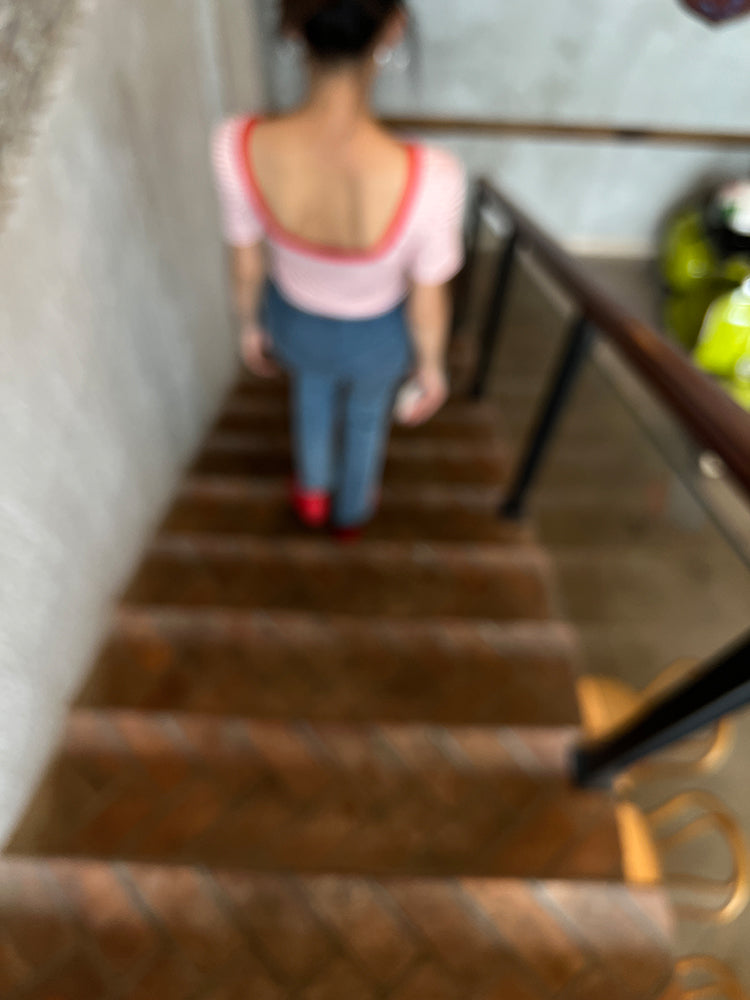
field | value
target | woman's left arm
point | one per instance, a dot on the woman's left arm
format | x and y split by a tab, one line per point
438	258
429	313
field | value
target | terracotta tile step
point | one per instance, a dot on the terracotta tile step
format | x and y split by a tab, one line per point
75	930
248	506
282	665
489	458
386	799
459	420
399	579
408	461
438	464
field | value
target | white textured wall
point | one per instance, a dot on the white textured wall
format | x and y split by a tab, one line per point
628	62
115	343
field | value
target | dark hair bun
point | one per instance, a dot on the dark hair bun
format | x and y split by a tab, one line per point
338	29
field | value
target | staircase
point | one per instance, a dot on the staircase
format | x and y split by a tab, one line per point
314	772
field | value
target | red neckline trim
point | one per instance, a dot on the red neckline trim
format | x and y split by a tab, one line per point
292	242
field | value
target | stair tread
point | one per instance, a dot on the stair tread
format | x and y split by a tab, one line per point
431	460
401	579
95	930
227	504
457	421
367	798
286	664
481	498
408	460
408	447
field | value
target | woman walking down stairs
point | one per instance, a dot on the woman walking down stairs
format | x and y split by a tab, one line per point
307	770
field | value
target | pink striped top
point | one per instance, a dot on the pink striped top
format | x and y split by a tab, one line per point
423	245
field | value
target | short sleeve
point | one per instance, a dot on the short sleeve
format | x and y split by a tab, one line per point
439	253
241	224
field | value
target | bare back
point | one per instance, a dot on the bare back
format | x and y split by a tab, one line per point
341	192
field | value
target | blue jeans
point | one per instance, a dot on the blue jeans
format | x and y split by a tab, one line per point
345	375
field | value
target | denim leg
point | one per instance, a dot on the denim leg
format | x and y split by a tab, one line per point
366	423
314	402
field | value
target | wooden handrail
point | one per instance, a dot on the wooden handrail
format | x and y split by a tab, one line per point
711	416
575	131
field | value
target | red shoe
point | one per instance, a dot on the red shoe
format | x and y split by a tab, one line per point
312	507
347	536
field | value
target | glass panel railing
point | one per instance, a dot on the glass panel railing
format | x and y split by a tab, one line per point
651	544
624	488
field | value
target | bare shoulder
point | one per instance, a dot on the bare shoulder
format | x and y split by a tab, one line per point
277	133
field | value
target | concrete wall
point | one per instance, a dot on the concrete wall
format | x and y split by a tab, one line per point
627	62
115	340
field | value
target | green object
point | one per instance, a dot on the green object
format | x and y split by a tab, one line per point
684	313
736	270
723	347
740	393
687	255
694	275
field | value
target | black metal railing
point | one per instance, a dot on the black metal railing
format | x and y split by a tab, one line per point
713	420
719	688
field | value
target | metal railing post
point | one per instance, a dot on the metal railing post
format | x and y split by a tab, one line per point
491	329
723	687
576	349
466	278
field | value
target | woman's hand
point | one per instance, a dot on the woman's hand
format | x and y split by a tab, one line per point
432	383
256	348
429	323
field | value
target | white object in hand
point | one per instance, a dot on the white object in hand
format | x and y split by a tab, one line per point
407	401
